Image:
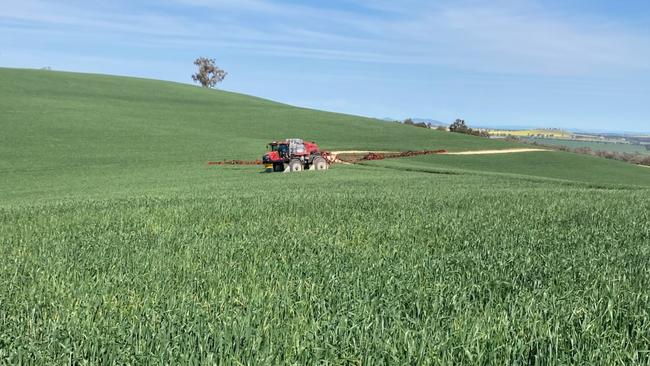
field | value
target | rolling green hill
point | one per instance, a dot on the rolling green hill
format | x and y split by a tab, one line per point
62	129
119	245
65	134
68	119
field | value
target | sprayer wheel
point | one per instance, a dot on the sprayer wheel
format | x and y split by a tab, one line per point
320	163
295	165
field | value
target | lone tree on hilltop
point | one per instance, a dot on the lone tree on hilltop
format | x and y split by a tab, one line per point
209	73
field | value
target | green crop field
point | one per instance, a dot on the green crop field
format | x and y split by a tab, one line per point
119	245
595	145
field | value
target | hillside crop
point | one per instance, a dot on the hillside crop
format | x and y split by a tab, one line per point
120	245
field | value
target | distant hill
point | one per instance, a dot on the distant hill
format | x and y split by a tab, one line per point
431	122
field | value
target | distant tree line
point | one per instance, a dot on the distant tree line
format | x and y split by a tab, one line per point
459	126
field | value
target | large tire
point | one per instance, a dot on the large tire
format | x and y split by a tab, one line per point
295	165
278	167
320	163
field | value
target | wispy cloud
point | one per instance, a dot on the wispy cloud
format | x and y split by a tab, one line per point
500	36
536	41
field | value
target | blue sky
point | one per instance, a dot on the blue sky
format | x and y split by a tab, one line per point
555	63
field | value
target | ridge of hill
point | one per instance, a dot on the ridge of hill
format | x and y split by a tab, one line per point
69	116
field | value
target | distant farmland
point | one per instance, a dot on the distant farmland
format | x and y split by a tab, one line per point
550	133
595	145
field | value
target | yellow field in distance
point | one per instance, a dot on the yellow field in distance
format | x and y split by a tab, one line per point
547	133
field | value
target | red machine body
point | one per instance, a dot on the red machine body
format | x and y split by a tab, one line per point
295	155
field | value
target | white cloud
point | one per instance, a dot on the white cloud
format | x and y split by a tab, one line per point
500	36
539	42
